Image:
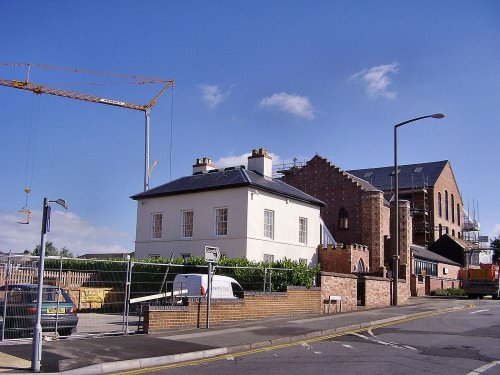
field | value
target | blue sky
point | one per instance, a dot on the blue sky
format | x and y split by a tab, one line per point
295	77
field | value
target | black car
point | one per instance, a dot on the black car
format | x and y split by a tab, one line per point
58	310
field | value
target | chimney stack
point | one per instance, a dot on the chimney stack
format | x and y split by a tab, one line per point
261	162
203	165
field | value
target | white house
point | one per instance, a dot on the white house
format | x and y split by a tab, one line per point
243	212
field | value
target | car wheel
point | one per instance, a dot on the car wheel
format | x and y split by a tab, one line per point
65	331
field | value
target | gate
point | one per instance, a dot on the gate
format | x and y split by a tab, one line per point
361	291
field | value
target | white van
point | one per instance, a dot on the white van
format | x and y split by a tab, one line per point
196	284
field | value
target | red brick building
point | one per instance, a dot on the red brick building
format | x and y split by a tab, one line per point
355	212
435	201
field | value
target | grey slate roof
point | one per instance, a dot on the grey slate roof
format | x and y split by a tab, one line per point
363	183
227	179
410	175
422	253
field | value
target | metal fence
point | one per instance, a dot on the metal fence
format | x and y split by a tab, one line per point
108	295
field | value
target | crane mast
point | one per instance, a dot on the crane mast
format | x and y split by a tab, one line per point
146	108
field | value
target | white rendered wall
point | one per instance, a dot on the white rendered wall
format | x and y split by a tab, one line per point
203	204
286	228
245	225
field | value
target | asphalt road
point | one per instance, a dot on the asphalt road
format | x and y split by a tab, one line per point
463	342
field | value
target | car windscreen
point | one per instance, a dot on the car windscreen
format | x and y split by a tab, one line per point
51	295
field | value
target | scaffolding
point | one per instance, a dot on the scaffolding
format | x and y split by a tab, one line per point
420	211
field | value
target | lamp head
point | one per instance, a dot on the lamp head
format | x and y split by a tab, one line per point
437	115
62	203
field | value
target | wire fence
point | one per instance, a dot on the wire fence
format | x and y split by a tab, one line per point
95	297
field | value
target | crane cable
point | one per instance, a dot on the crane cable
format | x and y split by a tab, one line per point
30	157
171	131
139	78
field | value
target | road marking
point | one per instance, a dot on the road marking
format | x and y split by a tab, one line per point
347	346
478	311
410	347
370	332
208	333
284	346
484	368
373	339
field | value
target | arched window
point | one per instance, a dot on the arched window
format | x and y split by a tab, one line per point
360	266
440	206
452	208
459	214
446	204
343	219
453	232
440	230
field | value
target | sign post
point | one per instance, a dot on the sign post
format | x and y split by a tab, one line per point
212	255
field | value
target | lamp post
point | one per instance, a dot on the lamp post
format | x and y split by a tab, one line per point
37	330
395	266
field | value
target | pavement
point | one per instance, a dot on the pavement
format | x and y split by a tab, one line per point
108	354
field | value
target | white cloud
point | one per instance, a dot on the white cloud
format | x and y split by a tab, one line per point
377	80
297	105
495	232
67	230
236	160
212	95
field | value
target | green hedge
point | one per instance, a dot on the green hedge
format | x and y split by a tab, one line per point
148	274
450	292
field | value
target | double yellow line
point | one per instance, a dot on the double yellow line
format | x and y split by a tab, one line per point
296	343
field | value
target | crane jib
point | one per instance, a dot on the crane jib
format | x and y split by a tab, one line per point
40	89
110	101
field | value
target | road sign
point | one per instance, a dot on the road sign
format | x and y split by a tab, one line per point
483	239
212	254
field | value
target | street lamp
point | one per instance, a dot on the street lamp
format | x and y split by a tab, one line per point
395	266
37	330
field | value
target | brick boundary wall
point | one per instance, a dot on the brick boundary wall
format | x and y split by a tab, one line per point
417	287
430	283
378	292
433	283
261	305
255	306
339	284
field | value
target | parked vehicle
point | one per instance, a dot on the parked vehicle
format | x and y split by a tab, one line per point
196	285
21	302
480	282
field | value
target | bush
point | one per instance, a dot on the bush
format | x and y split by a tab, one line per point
450	292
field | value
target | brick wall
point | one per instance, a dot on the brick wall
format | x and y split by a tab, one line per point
445	182
377	292
405	239
430	283
296	301
336	284
403	291
452	271
366	212
417	287
343	258
433	283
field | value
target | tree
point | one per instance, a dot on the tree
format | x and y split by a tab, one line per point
50	249
66	253
495	245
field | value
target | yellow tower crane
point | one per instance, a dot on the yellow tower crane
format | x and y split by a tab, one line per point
146	108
